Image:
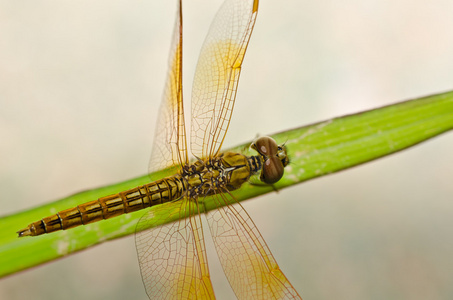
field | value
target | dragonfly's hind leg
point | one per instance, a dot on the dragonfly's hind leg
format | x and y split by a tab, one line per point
262	184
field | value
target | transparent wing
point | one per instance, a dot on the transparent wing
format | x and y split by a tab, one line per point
172	257
247	262
217	75
170	146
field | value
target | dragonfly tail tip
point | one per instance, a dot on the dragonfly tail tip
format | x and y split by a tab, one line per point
24	232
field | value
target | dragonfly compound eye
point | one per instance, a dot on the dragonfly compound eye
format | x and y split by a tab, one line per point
272	170
265	146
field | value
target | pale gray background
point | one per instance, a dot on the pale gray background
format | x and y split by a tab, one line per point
80	83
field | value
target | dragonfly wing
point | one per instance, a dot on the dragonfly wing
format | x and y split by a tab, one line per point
172	257
217	75
170	146
247	262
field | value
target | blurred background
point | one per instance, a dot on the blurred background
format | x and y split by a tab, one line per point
80	84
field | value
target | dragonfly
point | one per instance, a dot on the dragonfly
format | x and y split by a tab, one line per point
172	257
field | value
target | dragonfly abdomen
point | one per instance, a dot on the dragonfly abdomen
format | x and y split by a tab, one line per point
154	193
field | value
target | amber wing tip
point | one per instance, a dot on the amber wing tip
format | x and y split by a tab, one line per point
24	232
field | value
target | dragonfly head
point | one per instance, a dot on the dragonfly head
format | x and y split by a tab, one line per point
275	159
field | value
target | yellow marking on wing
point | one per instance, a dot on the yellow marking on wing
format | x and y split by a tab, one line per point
170	145
247	261
217	75
172	257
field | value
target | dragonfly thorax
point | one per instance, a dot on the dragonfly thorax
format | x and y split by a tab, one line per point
228	171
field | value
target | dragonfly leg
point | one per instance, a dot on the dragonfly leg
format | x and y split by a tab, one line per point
262	184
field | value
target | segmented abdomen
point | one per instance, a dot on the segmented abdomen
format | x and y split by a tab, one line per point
157	192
